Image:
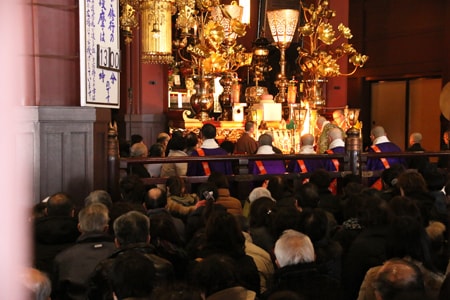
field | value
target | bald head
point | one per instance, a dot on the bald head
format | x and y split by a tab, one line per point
378	131
334	134
415	138
307	139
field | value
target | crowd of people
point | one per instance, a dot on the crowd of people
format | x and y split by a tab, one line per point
284	241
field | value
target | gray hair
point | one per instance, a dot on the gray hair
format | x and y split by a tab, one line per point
293	248
93	218
132	227
38	283
99	196
265	140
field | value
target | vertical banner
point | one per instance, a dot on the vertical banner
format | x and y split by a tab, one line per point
100	53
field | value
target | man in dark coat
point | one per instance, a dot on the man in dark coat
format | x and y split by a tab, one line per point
54	232
72	267
132	235
419	163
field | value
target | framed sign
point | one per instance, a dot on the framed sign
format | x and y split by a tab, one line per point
99	53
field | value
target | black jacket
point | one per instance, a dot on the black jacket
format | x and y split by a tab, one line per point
99	284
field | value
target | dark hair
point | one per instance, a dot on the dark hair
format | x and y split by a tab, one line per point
224	233
321	179
374	212
407	237
215	273
405	206
177	142
219	179
249	125
162	228
227	146
277	187
59	204
132	227
308	195
132	189
136	138
132	275
177	291
284	218
411	181
191	140
208	131
175	185
260	212
156	150
314	223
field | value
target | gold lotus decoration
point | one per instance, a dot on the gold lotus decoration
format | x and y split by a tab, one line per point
208	35
317	57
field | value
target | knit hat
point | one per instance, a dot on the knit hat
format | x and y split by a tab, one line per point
259	192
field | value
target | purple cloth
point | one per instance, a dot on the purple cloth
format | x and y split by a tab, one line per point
374	164
328	164
271	166
310	164
195	168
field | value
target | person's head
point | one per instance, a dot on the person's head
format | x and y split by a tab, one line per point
338	116
132	189
259	192
376	132
335	134
307	195
60	204
219	179
162	228
215	273
99	196
390	176
163	138
208	131
175	186
402	206
37	283
155	198
132	276
177	291
191	140
321	179
415	138
224	233
131	228
293	248
139	150
307	139
261	212
228	146
277	187
177	142
265	140
398	276
136	138
250	126
411	181
157	150
321	121
93	218
374	212
314	223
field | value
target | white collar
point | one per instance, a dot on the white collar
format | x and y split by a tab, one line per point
336	143
265	149
324	123
307	149
210	144
380	140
